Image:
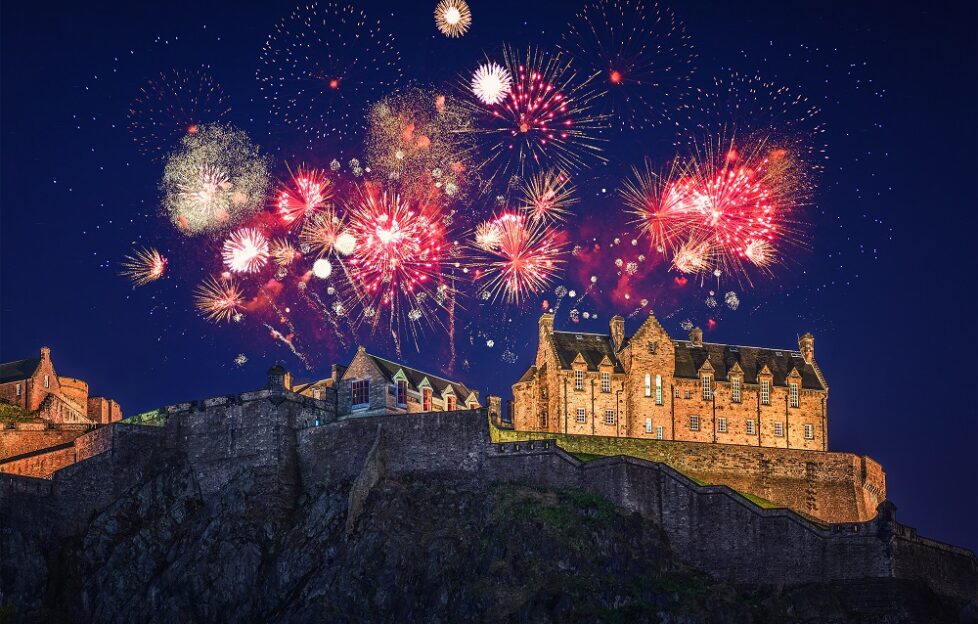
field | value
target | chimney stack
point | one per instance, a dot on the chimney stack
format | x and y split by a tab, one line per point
806	344
546	325
617	326
45	353
696	337
337	372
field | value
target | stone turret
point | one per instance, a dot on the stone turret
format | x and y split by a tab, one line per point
806	344
617	327
279	378
546	325
696	337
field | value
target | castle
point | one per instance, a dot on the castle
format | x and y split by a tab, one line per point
649	385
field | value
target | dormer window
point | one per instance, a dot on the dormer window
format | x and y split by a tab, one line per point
735	389
765	392
401	392
426	399
658	389
707	383
450	405
361	393
605	382
578	380
793	394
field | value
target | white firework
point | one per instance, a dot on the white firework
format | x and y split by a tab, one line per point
245	251
491	83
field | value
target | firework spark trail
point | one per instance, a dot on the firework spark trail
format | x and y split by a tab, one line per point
173	105
322	64
313	300
144	266
525	261
640	53
546	119
288	342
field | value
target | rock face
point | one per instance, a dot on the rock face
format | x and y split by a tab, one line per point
422	547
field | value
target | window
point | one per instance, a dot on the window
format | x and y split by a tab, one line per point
605	382
793	394
473	406
707	383
809	432
609	417
401	393
648	385
765	392
686	394
450	403
694	423
735	389
580	415
47	381
317	393
426	399
659	432
18	390
648	425
750	427
658	389
778	429
543	418
676	393
578	380
722	425
361	393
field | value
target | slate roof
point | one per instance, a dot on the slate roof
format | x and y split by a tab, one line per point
415	377
592	347
689	359
528	375
20	369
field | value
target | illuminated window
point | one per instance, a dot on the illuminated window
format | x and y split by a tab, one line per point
722	425
686	394
401	392
707	383
676	393
648	425
609	417
793	394
659	432
658	389
750	427
778	429
694	423
47	381
543	418
735	389
426	399
809	432
765	392
578	380
317	393
580	415
648	385
18	390
605	382
473	406
450	405
361	393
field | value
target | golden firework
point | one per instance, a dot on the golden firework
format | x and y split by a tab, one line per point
453	17
144	266
218	300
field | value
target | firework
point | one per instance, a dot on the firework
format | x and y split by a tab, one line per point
544	121
245	251
282	252
692	257
488	235
172	105
524	262
321	268
213	180
308	191
491	83
144	266
322	64
548	195
321	232
640	53
453	17
660	212
218	300
421	141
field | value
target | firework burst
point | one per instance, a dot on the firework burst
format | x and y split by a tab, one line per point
218	300
144	266
545	120
548	195
323	233
307	191
639	52
491	83
282	252
245	251
322	64
214	180
523	261
453	17
172	105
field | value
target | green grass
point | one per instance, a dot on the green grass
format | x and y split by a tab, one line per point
14	414
154	418
586	457
763	503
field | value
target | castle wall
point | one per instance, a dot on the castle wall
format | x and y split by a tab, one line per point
28	437
103	411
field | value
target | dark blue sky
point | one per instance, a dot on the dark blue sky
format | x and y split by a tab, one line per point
888	286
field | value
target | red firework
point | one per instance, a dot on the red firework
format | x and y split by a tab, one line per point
520	259
307	192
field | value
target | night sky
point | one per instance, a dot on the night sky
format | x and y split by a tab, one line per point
885	280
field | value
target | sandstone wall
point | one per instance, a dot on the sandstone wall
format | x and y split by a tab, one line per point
28	437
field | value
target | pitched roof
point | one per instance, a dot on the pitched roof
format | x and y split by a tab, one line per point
19	369
592	347
414	377
689	359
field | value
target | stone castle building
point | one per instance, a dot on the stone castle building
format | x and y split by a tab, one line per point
34	385
650	385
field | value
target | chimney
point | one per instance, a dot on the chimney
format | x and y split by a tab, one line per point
495	404
617	326
806	344
337	373
546	325
45	353
696	337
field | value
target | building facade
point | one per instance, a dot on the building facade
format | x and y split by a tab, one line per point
34	385
650	385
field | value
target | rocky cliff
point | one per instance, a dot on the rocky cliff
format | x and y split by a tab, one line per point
404	547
